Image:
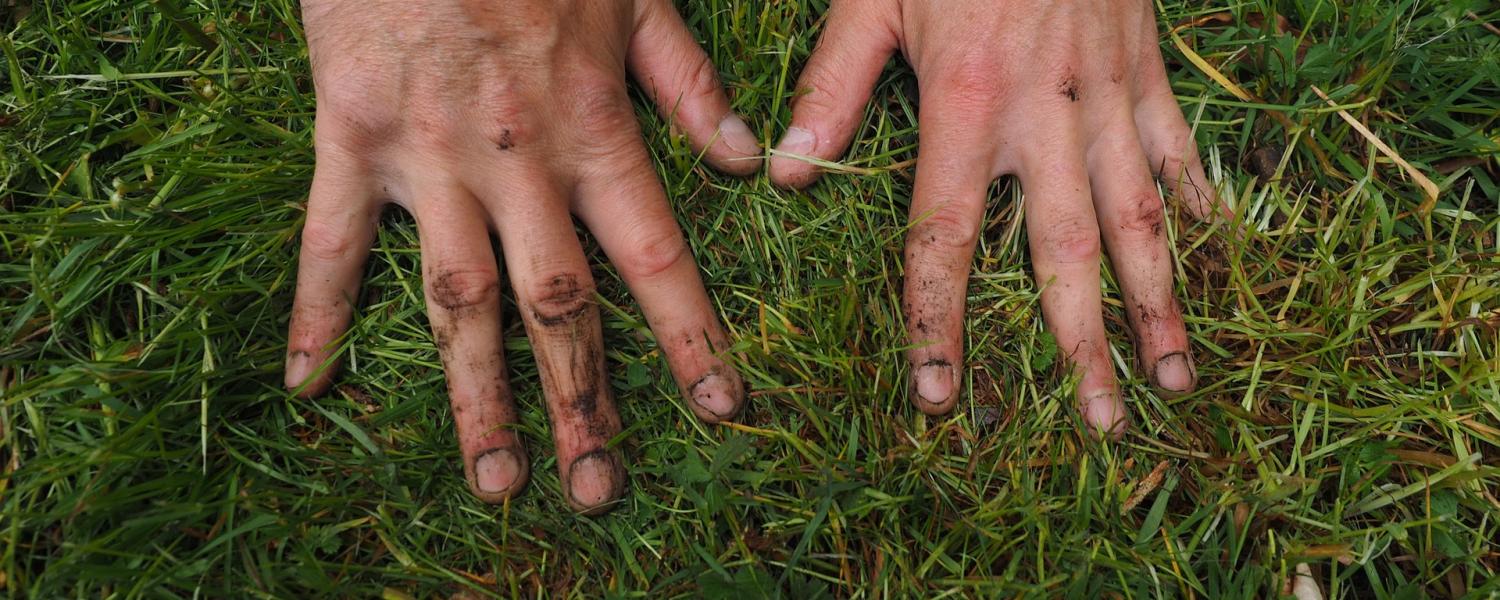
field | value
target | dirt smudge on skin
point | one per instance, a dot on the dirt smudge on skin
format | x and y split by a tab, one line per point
563	303
1146	215
1069	88
440	337
937	362
587	402
457	292
585	405
1145	315
564	329
1141	320
590	403
922	327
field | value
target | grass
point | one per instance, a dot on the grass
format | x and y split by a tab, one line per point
155	160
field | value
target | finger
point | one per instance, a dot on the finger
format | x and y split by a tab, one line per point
623	205
461	281
336	240
555	294
952	184
1133	226
1064	237
1172	152
833	90
684	85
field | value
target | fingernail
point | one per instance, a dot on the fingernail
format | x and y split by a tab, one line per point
797	141
1173	373
496	471
297	368
1105	414
715	394
594	480
737	135
935	381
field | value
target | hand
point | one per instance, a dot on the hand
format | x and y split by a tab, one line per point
1071	97
481	117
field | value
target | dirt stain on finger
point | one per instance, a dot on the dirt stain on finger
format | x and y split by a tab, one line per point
1146	315
937	362
590	404
563	303
1145	214
464	293
586	403
585	408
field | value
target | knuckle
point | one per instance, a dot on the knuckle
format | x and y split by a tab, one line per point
509	128
651	254
1169	167
972	82
600	107
356	112
562	299
818	103
700	78
1070	242
950	227
464	288
1143	213
1172	151
507	123
818	87
325	241
432	130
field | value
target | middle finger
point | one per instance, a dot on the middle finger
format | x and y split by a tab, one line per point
1064	235
555	294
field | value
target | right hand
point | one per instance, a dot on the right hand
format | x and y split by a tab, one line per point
1072	98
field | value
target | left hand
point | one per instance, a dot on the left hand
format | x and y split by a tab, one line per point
1070	96
486	118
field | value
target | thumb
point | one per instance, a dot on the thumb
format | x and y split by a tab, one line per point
683	83
834	88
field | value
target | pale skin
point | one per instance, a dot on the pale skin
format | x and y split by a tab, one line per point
508	120
483	118
1071	97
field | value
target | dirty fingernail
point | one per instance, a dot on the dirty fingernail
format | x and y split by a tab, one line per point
737	135
716	394
1104	413
796	141
496	471
298	367
935	382
1173	373
594	480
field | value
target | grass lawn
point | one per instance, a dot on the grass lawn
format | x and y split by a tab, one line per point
156	156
